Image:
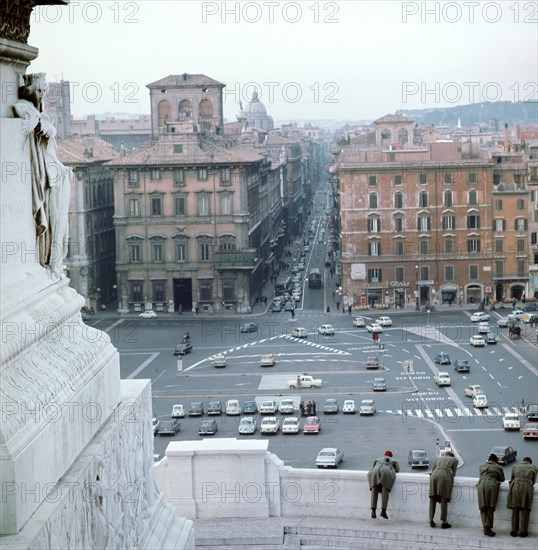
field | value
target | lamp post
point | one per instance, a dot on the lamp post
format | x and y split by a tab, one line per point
417	298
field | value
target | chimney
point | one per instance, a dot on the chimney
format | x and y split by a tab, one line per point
506	137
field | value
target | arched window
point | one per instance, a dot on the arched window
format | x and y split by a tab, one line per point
206	108
164	112
184	110
403	135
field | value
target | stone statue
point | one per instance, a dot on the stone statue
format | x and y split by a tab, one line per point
50	178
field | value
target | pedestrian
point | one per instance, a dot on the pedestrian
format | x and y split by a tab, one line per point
490	477
349	309
265	300
520	493
381	479
337	306
180	309
441	483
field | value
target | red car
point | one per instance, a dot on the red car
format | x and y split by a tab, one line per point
312	425
531	431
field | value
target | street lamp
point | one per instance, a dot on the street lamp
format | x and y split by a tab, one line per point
417	299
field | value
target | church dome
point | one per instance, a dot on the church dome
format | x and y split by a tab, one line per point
255	106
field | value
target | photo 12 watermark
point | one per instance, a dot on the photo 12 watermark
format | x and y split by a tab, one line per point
87	12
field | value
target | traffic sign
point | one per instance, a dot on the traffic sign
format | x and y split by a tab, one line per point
488	290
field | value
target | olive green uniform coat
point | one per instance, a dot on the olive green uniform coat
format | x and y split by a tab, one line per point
521	486
490	477
442	477
383	473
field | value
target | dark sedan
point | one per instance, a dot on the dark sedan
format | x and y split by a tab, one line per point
183	348
208	427
504	454
214	407
418	458
442	358
169	427
196	409
250	407
462	365
249	327
331	406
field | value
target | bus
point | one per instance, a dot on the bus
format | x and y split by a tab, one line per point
282	284
314	278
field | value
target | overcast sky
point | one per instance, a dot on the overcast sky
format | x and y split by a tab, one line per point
310	60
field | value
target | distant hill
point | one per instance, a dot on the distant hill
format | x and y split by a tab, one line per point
522	112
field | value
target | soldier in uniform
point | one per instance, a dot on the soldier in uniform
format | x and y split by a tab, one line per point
490	477
520	495
441	483
381	479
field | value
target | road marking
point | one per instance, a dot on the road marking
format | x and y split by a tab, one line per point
143	365
114	325
477	430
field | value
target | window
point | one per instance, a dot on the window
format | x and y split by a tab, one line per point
158	291
155	174
473	221
472	197
423	179
473	246
374	275
472	177
201	174
424	246
423	199
225	176
226	205
372	181
449	245
534	239
520	245
134	253
499	246
181	252
449	272
448	178
179	177
226	244
399	247
473	272
398	200
447	196
134	207
397	180
206	291
180	206
228	290
500	225
499	268
372	200
157	252
518	180
449	221
398	224
204	252
136	292
521	272
498	204
374	248
520	204
132	177
178	149
399	274
425	273
203	205
424	223
156	206
373	225
521	224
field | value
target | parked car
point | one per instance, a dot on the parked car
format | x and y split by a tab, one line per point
250	407
331	406
208	427
183	348
477	340
267	360
276	307
511	421
502	322
329	457
531	431
233	408
219	361
349	407
384	321
287	406
214	408
442	358
472	390
372	362
304	381
156	424
504	454
299	332
483	328
312	425
169	427
418	458
148	314
367	407
530	306
379	384
442	379
326	330
178	411
290	425
479	316
359	322
462	365
491	338
196	408
248	425
532	412
268	407
515	315
270	425
480	401
374	327
249	327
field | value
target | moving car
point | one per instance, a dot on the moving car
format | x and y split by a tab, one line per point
531	431
270	425
267	360
483	328
233	408
178	411
502	322
472	390
359	322
367	407
148	314
169	427
276	307
326	330
268	407
462	365
250	407
183	348
442	379
208	427
379	384
214	408
479	316
289	306
349	407
290	425
312	425
480	401
504	454
511	421
374	327
442	358
372	362
287	406
299	332
515	315
418	458
196	408
384	321
532	412
329	457
304	381
247	426
331	406
156	424
249	327
477	340
491	338
219	361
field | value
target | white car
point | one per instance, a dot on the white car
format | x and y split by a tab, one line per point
480	401
287	406
479	316
178	411
329	457
367	406
483	328
384	321
511	421
349	407
477	340
299	332
502	322
156	425
270	425
233	408
374	327
148	314
472	390
290	425
268	360
516	314
359	322
442	379
247	426
269	407
297	296
326	330
304	381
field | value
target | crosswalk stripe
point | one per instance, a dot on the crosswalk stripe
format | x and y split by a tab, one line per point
428	412
478	412
467	411
438	412
419	414
448	412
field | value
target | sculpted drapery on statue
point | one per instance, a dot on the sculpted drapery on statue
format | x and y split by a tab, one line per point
50	178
